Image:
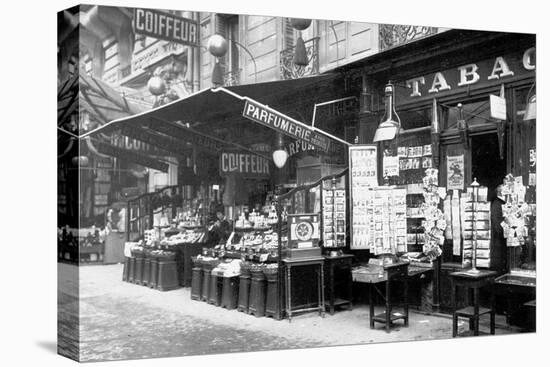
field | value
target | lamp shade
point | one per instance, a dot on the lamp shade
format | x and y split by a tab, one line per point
531	109
156	85
217	45
387	130
300	53
300	23
279	157
81	161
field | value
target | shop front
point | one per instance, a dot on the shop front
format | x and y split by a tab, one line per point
464	123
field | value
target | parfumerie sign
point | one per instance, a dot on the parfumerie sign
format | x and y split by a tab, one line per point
169	27
279	122
244	164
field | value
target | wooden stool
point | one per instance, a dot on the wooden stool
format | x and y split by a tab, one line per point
473	282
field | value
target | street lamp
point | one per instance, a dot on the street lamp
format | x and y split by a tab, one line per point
390	125
300	53
217	46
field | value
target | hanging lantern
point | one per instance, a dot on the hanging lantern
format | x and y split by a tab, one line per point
300	53
217	74
217	45
280	155
531	110
156	85
390	125
300	23
80	161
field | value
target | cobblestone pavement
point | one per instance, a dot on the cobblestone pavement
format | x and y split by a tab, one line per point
119	320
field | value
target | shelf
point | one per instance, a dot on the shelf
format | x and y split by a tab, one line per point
469	311
381	317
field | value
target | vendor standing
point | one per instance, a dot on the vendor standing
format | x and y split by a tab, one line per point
498	242
221	229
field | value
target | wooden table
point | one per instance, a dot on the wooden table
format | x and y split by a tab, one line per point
391	273
343	296
473	282
312	261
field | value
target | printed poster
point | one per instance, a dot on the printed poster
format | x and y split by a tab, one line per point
455	172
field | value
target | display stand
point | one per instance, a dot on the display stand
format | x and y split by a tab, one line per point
318	263
473	282
297	198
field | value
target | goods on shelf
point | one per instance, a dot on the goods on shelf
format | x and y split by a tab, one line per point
228	268
186	236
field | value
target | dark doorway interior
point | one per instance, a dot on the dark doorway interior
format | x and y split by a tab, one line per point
487	166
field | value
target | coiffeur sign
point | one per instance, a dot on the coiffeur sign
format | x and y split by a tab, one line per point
279	122
169	27
244	164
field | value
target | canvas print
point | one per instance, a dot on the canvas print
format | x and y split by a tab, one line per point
238	183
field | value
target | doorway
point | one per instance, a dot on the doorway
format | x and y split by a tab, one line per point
487	167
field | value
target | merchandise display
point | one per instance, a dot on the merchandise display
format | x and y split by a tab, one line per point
383	228
434	223
334	218
515	211
476	229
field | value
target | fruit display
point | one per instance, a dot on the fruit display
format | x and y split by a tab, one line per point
186	236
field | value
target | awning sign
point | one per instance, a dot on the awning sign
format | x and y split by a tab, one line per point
165	26
244	164
279	122
132	156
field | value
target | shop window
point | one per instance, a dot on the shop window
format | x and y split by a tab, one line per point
412	119
475	113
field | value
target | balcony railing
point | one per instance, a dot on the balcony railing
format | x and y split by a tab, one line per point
291	71
392	35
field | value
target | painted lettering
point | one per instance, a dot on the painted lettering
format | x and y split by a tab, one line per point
500	69
439	83
529	59
415	85
468	74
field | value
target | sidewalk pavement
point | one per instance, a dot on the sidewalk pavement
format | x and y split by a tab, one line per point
119	320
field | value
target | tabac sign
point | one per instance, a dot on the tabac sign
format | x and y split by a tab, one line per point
476	74
166	26
279	122
244	164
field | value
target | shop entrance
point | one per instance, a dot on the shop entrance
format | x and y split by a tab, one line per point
487	166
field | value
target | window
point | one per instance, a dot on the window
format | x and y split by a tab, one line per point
342	42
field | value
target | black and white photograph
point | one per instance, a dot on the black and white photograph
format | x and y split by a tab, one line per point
249	186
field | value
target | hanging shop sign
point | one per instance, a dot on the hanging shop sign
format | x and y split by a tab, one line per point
479	73
132	156
169	27
244	164
298	146
138	141
189	135
281	123
455	172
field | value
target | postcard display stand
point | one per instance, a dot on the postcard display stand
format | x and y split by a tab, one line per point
476	226
379	214
334	217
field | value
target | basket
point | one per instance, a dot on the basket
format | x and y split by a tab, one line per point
137	252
